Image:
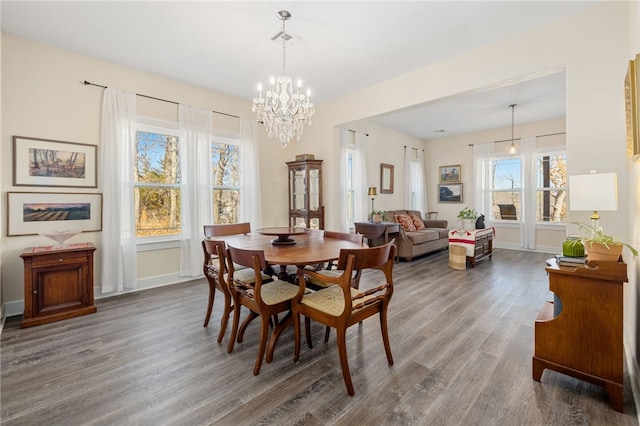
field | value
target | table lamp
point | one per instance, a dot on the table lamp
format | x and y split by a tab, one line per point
594	192
372	192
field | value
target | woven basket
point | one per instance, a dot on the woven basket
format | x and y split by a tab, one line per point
457	257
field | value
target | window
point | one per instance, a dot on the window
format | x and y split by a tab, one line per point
157	182
350	189
551	178
506	187
225	180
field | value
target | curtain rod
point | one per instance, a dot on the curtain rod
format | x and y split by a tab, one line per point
417	149
88	83
537	136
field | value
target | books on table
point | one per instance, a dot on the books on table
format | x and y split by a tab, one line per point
575	262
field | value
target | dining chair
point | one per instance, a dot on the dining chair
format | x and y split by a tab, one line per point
263	300
328	269
340	306
211	231
215	270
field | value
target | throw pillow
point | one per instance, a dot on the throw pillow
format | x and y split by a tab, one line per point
417	222
405	221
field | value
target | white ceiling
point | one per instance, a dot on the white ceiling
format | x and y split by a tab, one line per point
338	47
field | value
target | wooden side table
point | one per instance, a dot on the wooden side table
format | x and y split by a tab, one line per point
585	339
58	283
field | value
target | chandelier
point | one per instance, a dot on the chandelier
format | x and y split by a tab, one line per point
283	111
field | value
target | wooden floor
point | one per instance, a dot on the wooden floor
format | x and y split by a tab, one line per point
462	343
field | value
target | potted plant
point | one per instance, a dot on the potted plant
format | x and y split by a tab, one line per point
378	216
600	246
467	217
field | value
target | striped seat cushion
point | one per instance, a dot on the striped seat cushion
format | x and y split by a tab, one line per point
330	300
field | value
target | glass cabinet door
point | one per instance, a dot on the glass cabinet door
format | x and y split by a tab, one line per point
314	189
298	188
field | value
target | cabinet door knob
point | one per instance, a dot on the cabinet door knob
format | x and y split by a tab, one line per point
60	260
35	291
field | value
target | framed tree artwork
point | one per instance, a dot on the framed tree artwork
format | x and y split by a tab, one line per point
44	162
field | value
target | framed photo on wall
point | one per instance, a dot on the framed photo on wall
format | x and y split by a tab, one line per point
450	173
449	192
386	178
632	107
31	213
43	162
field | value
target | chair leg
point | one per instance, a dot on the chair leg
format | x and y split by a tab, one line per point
264	334
385	334
234	326
341	337
225	317
307	329
327	332
296	333
212	296
252	315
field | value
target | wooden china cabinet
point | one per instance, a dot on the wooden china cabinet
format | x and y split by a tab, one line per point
58	283
305	194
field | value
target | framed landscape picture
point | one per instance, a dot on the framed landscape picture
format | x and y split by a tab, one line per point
43	162
31	213
449	192
450	173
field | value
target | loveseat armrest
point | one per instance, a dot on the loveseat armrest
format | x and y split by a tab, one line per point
435	223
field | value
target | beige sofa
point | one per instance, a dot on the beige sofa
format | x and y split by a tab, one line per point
416	243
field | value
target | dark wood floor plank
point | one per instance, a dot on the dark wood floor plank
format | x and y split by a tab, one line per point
462	343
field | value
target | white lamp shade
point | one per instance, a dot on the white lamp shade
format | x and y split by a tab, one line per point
593	192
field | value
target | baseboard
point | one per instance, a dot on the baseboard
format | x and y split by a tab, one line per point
634	374
514	246
16	307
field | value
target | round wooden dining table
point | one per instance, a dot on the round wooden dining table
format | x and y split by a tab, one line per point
308	250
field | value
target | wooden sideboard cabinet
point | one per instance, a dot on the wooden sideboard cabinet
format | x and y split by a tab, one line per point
584	340
58	283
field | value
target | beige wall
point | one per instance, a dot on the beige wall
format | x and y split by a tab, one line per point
42	96
456	150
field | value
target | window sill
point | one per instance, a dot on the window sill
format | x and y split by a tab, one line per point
153	244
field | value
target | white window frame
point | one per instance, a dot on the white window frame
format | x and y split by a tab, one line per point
217	139
157	242
520	190
549	151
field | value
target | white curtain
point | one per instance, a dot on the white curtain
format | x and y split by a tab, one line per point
415	193
407	177
117	150
360	187
343	187
482	202
528	211
250	190
196	132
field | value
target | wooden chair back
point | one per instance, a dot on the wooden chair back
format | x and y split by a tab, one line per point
211	231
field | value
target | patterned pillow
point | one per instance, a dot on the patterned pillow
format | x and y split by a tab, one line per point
405	221
417	222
